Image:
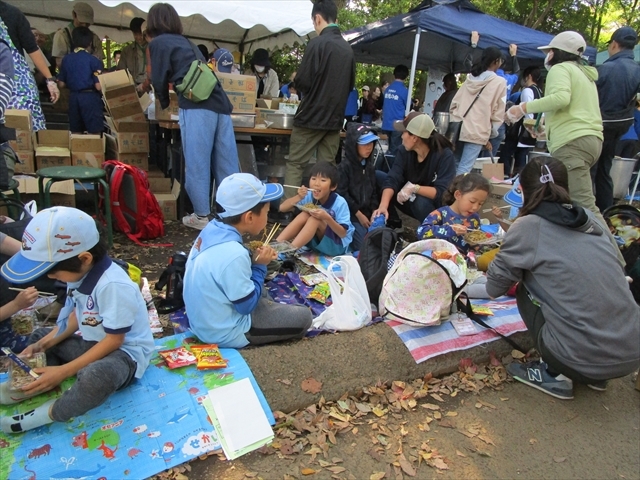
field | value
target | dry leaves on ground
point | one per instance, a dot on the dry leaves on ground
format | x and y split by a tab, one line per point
311	385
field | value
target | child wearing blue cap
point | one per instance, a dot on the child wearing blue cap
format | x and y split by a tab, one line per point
325	222
115	344
357	179
223	283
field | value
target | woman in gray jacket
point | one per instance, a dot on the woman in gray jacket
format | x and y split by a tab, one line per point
572	294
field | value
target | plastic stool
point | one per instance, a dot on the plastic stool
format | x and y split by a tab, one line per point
96	176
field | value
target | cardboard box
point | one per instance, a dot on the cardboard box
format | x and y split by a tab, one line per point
159	184
273	104
130	137
87	159
120	96
24	141
261	114
52	148
168	198
52	138
140	160
28	163
86	143
171	112
243	102
62	193
237	83
18	119
498	190
154	172
493	170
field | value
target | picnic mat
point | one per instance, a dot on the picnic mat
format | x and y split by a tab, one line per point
156	423
428	342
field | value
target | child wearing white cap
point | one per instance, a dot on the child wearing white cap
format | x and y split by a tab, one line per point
116	343
223	283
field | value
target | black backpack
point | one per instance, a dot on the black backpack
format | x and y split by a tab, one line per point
172	278
378	245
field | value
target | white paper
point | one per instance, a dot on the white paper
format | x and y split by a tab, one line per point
241	416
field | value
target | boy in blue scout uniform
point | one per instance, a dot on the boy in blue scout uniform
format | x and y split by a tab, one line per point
223	282
116	343
79	73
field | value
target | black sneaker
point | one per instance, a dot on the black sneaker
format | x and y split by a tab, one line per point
599	386
535	375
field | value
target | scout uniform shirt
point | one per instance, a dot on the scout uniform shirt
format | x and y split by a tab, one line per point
107	301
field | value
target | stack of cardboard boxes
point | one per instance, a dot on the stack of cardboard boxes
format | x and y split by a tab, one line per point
23	144
128	140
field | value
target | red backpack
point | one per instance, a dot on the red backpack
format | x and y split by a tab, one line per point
134	209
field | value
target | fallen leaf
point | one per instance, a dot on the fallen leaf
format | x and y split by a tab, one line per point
460	454
284	381
486	440
517	354
504	399
478	405
377	476
337	460
324	463
447	424
559	459
467	434
532	441
437	415
483	454
605	407
437	397
373	453
336	469
307	471
379	412
493	360
487	404
251	474
406	466
311	385
355	431
439	464
451	414
430	406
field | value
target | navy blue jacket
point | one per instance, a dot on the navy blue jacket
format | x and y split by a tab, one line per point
618	83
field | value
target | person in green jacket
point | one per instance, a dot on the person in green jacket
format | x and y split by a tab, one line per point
572	114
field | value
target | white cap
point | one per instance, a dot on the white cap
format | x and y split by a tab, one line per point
570	42
53	235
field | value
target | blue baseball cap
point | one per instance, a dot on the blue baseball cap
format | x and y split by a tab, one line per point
367	138
224	60
53	235
240	192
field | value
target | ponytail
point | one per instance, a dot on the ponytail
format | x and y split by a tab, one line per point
543	179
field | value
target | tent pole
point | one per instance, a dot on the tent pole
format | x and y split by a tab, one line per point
412	75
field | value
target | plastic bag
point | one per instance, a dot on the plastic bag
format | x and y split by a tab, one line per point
351	308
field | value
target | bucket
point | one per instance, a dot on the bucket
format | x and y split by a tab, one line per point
621	172
477	165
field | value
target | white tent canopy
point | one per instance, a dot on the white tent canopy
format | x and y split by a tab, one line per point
242	25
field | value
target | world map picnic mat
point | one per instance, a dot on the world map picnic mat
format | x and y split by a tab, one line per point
156	423
428	342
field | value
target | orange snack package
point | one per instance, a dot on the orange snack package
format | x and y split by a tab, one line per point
209	357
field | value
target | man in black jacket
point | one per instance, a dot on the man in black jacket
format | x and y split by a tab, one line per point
618	83
325	78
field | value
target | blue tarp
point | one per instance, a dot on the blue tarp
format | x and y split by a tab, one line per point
445	39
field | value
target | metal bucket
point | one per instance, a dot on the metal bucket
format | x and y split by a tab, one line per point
621	172
441	122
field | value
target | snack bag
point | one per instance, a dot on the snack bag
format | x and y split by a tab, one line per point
320	293
209	357
178	357
481	310
314	279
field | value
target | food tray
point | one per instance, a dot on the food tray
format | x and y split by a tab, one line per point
478	237
20	378
307	207
23	322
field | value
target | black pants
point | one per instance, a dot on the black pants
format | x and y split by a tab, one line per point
534	320
601	171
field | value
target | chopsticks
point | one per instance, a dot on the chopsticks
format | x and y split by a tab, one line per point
272	233
293	186
40	294
489	209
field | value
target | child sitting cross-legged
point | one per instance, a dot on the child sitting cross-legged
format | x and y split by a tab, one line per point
115	344
464	197
223	283
325	224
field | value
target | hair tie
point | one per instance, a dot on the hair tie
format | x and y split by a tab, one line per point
546	177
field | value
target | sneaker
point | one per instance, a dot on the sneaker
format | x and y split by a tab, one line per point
535	375
599	386
194	221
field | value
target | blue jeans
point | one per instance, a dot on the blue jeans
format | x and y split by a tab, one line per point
466	154
395	140
495	142
209	146
358	234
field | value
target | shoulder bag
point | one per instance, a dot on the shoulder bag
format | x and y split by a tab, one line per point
454	128
199	81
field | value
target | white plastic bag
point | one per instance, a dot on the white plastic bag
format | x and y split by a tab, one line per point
351	308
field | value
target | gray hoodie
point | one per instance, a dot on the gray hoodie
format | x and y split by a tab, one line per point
570	267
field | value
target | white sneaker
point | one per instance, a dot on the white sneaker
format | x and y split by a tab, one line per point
194	221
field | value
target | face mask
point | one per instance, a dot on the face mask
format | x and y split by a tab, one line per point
259	68
547	60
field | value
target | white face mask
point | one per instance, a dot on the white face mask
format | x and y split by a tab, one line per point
259	68
547	59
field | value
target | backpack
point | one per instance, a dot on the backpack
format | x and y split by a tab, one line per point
419	290
377	247
173	278
135	210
